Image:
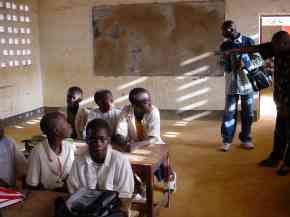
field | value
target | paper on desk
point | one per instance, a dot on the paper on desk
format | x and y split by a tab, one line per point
10	202
9	197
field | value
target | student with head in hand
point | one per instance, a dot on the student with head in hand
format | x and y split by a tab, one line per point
139	126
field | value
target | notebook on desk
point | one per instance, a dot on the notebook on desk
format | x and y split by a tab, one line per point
9	197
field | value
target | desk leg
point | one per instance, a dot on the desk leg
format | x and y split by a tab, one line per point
149	192
167	178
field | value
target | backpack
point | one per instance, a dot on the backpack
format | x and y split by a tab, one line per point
89	203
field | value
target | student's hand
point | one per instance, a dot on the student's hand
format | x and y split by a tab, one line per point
129	147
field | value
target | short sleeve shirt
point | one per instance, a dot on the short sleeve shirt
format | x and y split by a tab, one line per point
114	174
47	168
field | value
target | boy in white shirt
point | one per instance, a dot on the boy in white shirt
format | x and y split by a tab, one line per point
139	122
13	163
51	160
76	114
139	125
102	167
106	110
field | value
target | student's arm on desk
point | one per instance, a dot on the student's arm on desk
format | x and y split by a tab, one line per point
130	146
152	131
135	145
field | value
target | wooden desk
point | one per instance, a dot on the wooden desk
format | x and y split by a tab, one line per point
38	203
145	161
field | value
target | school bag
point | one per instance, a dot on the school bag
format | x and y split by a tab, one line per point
89	203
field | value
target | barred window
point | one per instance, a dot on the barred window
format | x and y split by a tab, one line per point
15	34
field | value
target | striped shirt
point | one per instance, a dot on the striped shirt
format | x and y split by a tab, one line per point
237	81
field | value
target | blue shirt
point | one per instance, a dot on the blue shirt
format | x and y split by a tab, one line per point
8	161
237	81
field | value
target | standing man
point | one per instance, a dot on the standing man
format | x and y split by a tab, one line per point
237	87
279	48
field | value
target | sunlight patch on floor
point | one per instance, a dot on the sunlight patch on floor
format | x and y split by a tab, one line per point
268	108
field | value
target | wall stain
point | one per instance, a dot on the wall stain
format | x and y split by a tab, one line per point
153	39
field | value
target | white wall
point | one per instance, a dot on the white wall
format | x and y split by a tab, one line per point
21	88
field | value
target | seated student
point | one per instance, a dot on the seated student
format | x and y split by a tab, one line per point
13	163
139	125
51	160
139	122
73	98
106	110
102	167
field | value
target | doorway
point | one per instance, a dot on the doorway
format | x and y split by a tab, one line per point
269	25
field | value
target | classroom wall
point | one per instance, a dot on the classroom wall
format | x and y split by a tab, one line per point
67	56
21	87
246	13
67	59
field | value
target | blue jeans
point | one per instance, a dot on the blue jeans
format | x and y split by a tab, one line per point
230	116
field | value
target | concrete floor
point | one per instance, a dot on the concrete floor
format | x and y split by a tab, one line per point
212	183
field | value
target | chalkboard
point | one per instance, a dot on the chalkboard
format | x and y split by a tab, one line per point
169	39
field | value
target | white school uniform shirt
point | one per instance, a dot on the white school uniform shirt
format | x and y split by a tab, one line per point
12	162
114	174
127	126
48	168
111	117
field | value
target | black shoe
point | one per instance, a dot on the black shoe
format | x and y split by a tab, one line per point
269	162
283	170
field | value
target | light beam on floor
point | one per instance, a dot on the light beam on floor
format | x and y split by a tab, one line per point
197	116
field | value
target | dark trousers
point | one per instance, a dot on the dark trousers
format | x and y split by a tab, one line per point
281	139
